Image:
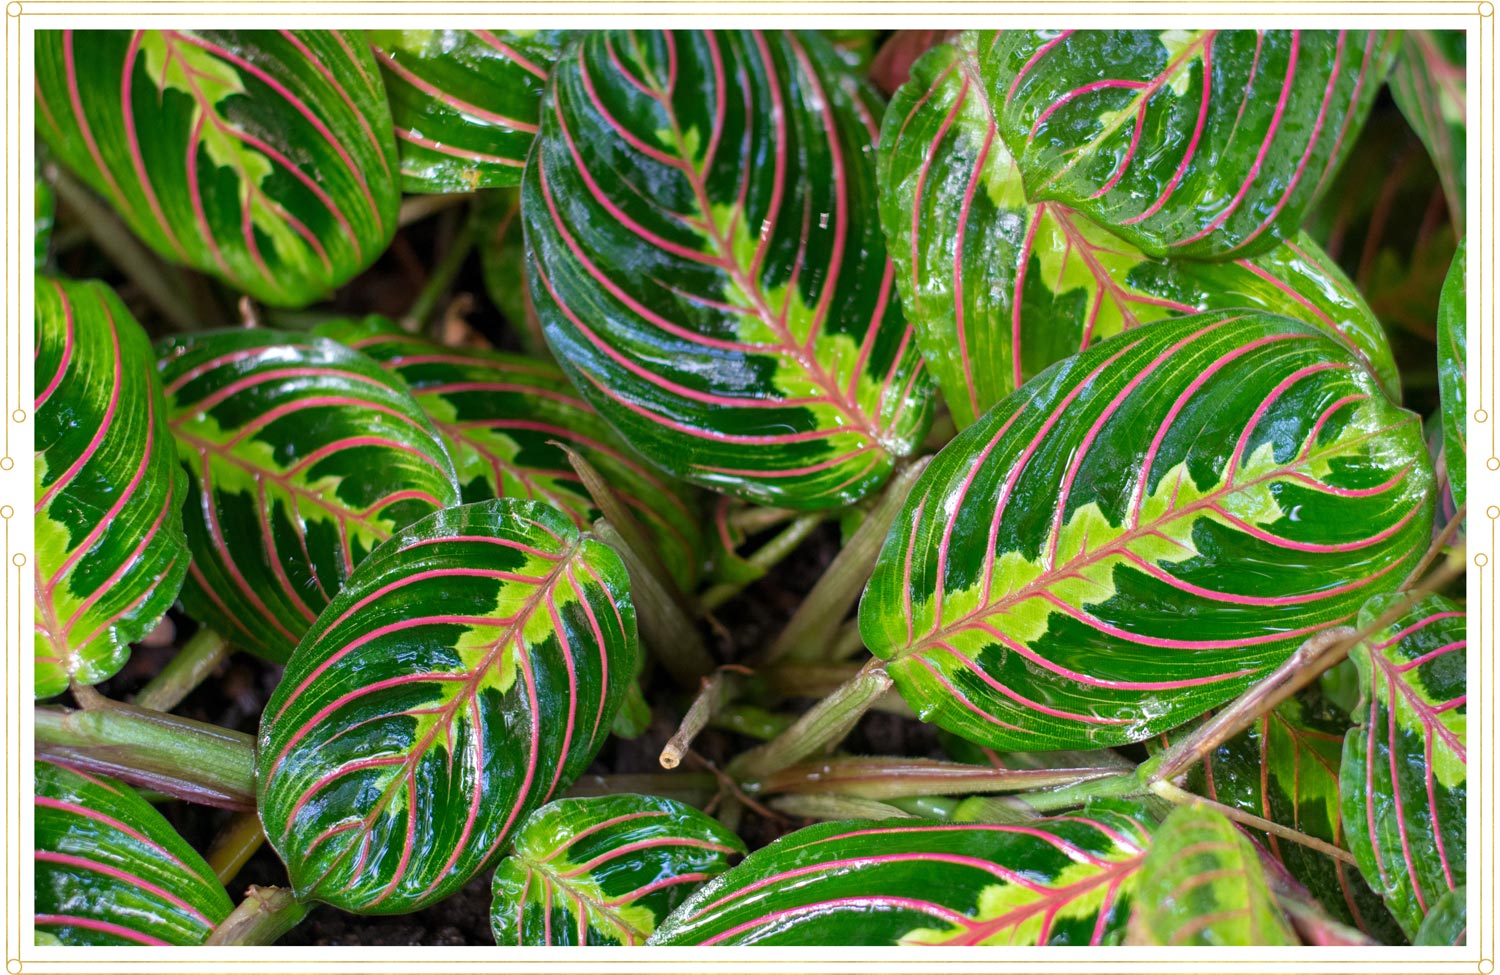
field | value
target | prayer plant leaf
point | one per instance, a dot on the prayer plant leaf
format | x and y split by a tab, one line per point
1000	285
503	418
110	551
1202	885
1238	470
110	870
1404	777
707	264
1453	356
302	456
263	157
1192	143
1429	85
464	102
1448	921
1069	880
604	870
467	672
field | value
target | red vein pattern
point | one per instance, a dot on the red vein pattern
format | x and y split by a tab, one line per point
467	672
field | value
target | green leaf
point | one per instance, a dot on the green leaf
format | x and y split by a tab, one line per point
110	870
264	157
44	217
464	102
1202	885
604	870
1001	285
1404	777
468	671
110	552
1238	470
1196	143
1063	881
1285	768
1448	921
302	456
502	259
1453	357
503	418
707	266
1429	85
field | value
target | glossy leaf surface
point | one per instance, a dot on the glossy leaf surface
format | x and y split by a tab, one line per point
708	267
264	157
110	552
1428	82
110	870
1448	921
503	418
1000	286
1404	774
1453	367
464	102
605	870
1198	143
468	671
302	456
1063	881
1202	884
1241	471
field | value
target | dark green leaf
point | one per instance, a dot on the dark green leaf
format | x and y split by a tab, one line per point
1453	357
264	157
708	267
604	870
1448	921
111	871
1428	82
110	552
468	671
43	217
302	456
1242	471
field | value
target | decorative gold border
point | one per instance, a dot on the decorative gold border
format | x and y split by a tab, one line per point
15	486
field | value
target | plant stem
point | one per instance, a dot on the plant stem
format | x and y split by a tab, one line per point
671	636
442	276
197	659
188	759
837	807
1438	544
717	688
812	628
415	208
823	726
751	721
1007	810
765	557
1127	785
235	844
262	918
819	680
885	777
617	513
1181	796
756	519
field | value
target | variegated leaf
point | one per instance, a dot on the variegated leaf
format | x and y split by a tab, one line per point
1069	880
1197	143
505	419
1428	82
264	157
1202	884
468	671
110	551
604	870
1453	357
708	267
111	871
1237	470
1404	777
464	102
1001	285
302	456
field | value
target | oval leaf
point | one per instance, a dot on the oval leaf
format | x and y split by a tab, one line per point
1242	472
468	671
1200	143
503	417
264	157
1429	85
111	871
605	870
707	265
1000	286
1202	885
464	102
1068	880
1404	774
302	456
110	552
1453	356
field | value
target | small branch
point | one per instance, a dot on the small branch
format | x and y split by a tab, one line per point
262	918
1181	796
415	208
823	726
765	557
235	844
820	680
716	690
194	663
1438	544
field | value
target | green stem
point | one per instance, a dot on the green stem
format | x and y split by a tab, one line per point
718	688
820	680
442	276
262	918
1181	796
188	759
756	519
751	721
618	514
415	208
837	807
765	558
1004	810
235	844
197	659
669	634
885	777
823	726
1124	786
